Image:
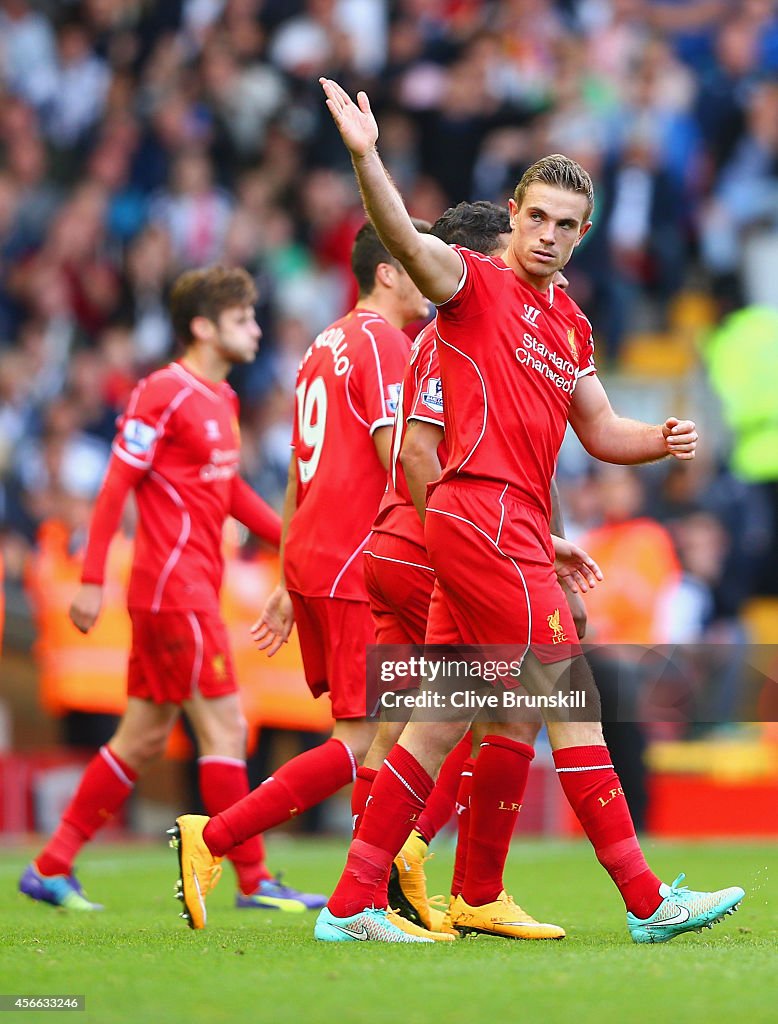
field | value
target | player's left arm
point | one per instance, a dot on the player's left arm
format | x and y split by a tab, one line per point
382	439
255	513
626	442
271	630
419	458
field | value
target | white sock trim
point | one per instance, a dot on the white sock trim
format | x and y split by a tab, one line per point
116	768
410	789
237	762
351	757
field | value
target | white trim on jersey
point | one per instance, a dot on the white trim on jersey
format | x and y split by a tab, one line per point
177	400
591	368
374	344
502	516
385	422
348	398
197	664
483	258
424	419
348	562
513	562
459	287
236	762
192	381
483	388
183	537
420	378
399	561
129	459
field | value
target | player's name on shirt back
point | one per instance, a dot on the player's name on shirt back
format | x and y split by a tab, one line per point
348	386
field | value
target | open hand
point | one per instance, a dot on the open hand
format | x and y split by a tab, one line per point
271	630
575	569
354	121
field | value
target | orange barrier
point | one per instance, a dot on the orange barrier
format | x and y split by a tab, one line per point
640	567
88	673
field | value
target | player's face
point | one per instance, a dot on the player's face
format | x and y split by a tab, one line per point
238	334
414	305
546	229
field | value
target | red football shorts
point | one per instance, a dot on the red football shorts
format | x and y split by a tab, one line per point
178	654
334	635
399	585
493	558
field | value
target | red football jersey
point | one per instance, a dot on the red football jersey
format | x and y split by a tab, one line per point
348	385
509	357
421	398
183	432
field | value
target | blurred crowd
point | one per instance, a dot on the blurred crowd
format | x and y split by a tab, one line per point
139	138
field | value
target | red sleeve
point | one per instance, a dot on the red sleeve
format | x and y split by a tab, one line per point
427	403
586	362
119	481
479	286
378	373
248	508
142	426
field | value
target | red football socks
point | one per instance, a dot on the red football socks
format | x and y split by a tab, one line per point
463	825
104	787
301	783
362	786
499	781
595	794
440	805
223	782
399	793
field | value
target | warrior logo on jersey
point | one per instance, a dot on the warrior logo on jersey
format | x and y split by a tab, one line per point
393	397
212	431
572	344
433	396
138	437
530	314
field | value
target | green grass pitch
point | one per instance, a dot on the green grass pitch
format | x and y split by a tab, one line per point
138	961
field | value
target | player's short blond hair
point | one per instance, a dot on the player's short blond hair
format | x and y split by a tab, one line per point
561	172
208	292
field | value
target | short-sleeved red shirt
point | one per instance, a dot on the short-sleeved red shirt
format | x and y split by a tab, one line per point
348	385
182	431
421	398
510	357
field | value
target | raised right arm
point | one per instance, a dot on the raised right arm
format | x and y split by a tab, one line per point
435	268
